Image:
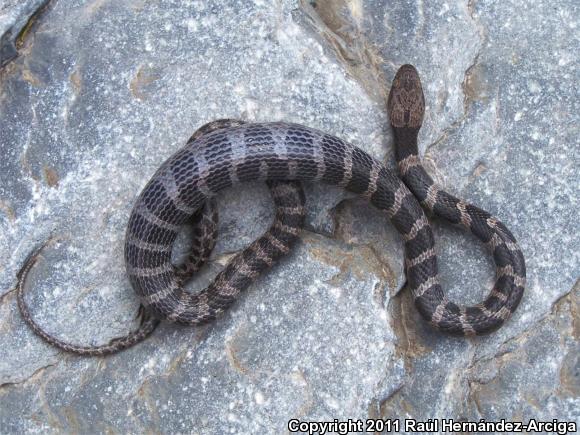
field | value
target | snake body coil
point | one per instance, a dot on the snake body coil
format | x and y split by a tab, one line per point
283	154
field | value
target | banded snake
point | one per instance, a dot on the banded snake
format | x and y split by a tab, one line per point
227	152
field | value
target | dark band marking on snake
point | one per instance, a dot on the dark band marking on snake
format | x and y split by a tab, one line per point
227	152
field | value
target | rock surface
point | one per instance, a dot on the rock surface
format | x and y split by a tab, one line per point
104	91
16	19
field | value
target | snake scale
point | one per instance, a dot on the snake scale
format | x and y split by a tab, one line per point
227	152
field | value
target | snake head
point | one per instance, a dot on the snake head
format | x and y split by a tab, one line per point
406	103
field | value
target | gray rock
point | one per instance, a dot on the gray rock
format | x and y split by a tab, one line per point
16	17
88	114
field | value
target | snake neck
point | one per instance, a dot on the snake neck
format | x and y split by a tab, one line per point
405	142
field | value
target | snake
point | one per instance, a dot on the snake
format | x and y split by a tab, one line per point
227	152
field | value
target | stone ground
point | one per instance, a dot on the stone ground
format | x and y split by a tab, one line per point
94	95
